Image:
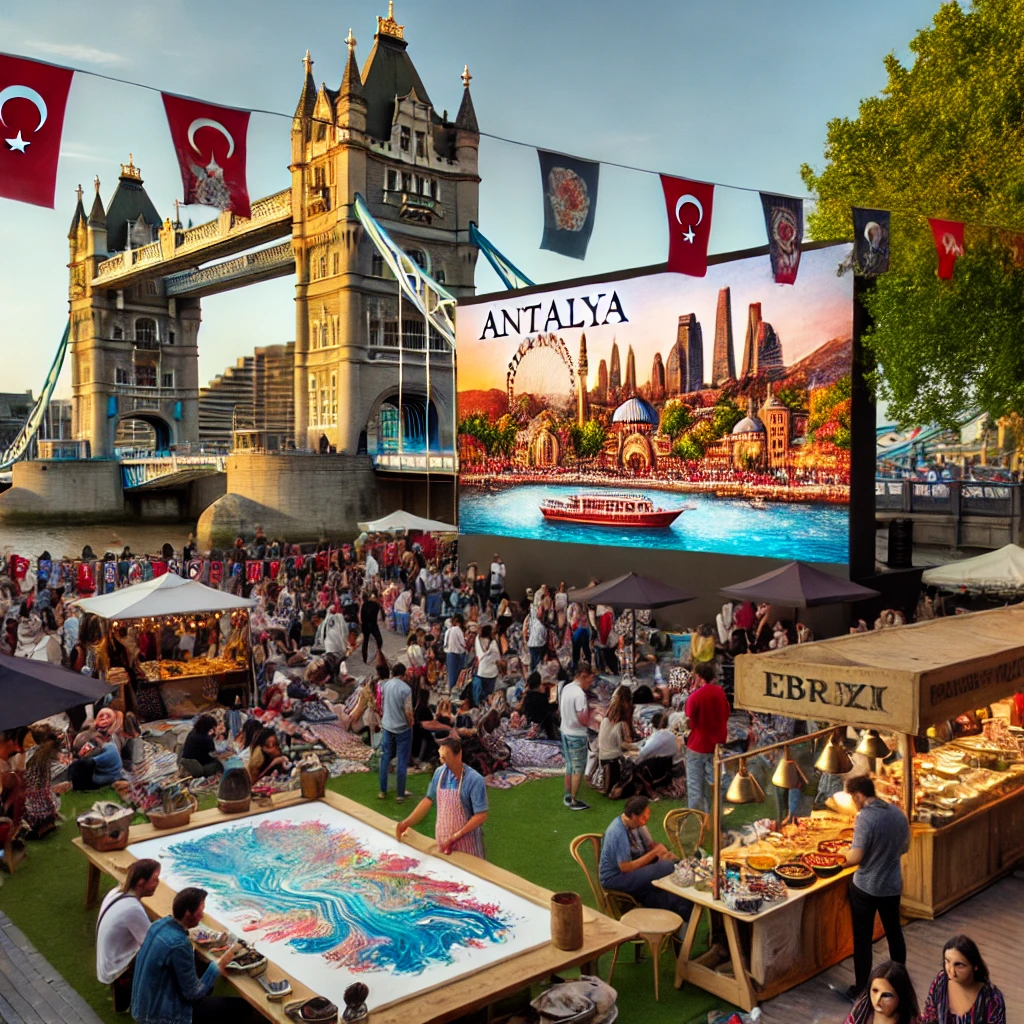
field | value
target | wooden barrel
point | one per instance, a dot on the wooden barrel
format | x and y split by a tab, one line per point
313	783
566	921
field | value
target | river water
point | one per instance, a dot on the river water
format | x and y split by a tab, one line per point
142	538
811	531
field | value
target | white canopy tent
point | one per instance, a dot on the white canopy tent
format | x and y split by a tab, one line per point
163	595
407	521
999	571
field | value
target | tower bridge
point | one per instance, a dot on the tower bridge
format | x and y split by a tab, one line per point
371	159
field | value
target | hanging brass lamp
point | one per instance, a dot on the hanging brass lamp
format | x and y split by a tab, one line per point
744	788
833	758
787	774
872	745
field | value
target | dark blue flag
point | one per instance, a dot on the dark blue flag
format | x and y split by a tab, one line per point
784	221
870	241
570	202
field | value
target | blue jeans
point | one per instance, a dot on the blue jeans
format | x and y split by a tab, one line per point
434	605
390	744
580	644
639	885
455	663
483	686
402	623
536	653
700	768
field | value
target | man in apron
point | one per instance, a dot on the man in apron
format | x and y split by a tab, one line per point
461	797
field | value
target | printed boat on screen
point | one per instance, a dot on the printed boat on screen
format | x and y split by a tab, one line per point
610	509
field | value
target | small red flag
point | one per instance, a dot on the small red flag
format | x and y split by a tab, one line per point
949	243
32	101
688	204
210	144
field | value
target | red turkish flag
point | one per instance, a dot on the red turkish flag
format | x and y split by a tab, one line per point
210	144
32	101
949	243
688	204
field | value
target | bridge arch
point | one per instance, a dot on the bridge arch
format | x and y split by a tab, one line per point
417	419
143	430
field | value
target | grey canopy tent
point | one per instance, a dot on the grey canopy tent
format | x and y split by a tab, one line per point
798	585
31	690
631	591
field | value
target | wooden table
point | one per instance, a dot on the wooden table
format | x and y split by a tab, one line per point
463	995
770	952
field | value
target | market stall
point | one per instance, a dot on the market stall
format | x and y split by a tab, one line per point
935	691
187	645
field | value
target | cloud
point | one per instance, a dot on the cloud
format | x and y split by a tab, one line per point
79	52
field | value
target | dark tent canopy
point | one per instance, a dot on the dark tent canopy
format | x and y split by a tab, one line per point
631	591
30	690
798	585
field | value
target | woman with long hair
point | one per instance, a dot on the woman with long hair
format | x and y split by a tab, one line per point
962	992
615	732
888	999
42	805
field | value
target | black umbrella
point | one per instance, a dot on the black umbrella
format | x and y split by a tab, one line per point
30	690
632	591
798	585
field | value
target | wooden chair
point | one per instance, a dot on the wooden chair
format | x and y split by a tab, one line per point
685	828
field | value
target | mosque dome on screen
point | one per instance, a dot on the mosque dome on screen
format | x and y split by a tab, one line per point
638	411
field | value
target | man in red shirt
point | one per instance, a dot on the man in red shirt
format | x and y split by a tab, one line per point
707	708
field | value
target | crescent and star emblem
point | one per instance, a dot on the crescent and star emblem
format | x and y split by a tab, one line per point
22	92
206	122
689	200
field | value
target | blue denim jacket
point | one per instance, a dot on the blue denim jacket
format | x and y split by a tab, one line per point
166	984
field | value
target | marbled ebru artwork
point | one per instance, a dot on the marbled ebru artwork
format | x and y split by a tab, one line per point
330	899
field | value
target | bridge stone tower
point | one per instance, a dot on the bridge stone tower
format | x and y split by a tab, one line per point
134	352
379	135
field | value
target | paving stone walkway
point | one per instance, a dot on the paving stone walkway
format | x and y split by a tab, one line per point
31	991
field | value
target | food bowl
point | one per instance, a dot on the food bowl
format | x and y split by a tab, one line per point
743	902
824	865
833	846
796	875
761	862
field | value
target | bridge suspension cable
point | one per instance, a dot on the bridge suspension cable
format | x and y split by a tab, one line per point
19	447
511	276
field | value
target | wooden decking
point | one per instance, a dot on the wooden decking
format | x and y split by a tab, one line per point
31	991
994	919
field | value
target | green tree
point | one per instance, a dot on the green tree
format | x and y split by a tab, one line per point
675	418
795	399
589	439
944	140
727	415
689	448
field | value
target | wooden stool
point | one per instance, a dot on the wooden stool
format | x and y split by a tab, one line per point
654	926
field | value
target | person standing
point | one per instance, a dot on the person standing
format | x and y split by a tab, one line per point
487	656
461	797
575	714
396	737
963	993
454	650
369	622
708	710
166	989
881	835
536	636
403	607
121	929
497	579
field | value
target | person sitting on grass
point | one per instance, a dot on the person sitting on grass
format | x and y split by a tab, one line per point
267	758
199	755
631	860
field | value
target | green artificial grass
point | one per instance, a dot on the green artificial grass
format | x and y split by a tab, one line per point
528	832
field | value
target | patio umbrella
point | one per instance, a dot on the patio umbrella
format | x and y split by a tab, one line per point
31	690
631	591
798	585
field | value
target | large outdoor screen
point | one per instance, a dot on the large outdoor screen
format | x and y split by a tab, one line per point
661	411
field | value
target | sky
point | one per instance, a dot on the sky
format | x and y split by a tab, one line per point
817	308
738	92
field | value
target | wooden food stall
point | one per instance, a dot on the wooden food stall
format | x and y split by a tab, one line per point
463	994
964	794
203	663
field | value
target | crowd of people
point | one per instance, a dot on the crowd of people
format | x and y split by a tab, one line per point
481	676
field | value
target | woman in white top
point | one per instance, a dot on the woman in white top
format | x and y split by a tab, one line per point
487	655
121	929
614	734
561	604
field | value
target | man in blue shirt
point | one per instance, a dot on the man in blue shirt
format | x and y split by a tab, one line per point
461	797
396	722
166	986
631	860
